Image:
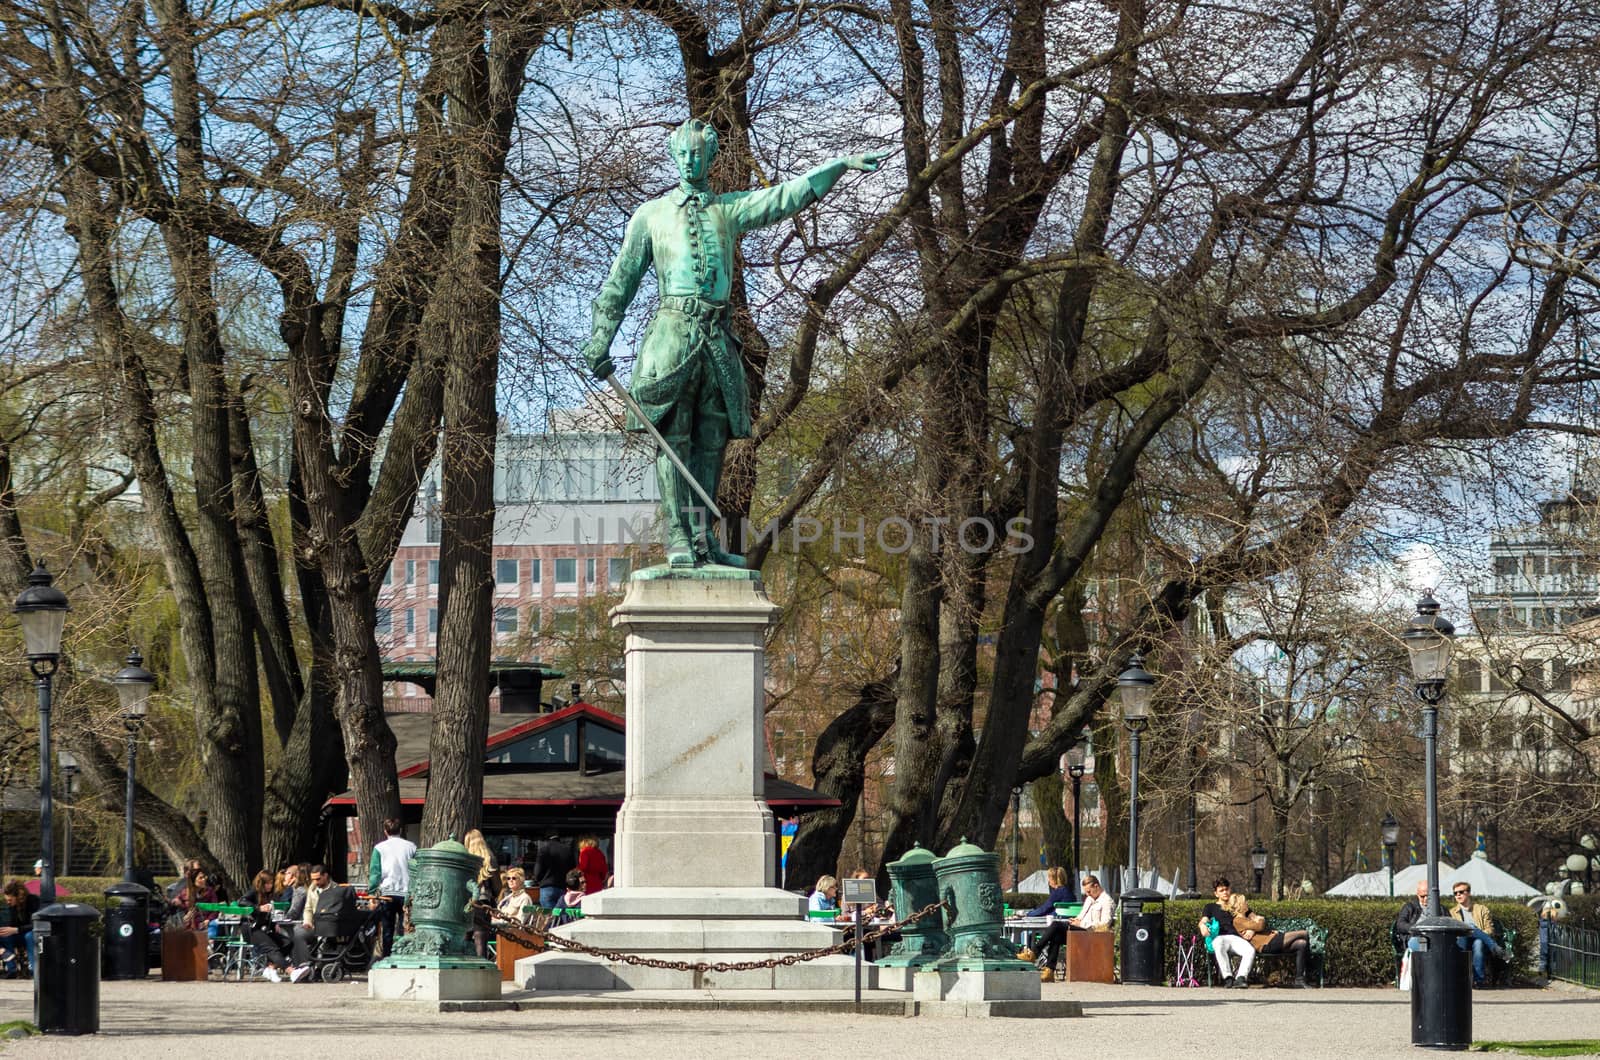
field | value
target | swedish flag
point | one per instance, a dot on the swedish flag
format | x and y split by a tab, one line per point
1444	844
1361	860
1483	844
1412	851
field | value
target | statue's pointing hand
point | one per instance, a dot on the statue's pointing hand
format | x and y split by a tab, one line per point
867	163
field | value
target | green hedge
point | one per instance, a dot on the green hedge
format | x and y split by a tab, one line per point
1360	952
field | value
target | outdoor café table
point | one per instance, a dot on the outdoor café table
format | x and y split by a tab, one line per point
1021	929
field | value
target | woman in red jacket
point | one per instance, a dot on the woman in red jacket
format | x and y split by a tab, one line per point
592	863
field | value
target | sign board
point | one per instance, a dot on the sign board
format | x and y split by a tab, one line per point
859	892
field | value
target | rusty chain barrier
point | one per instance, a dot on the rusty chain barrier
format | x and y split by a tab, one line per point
506	927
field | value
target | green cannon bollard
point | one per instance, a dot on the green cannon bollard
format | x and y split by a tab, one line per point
442	890
978	964
913	886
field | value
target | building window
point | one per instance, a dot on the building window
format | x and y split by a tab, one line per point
1505	564
433	620
535	572
411	621
565	619
433	572
385	621
505	620
1469	675
505	573
617	570
388	574
1560	676
411	572
588	571
566	572
778	758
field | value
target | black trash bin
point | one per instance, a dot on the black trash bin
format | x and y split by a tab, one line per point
127	952
66	984
1144	936
1441	985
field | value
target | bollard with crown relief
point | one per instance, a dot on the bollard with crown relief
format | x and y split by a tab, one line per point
979	964
436	961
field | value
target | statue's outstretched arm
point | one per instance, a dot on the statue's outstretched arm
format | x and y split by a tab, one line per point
616	294
768	206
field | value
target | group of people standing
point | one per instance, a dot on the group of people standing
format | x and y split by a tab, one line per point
560	876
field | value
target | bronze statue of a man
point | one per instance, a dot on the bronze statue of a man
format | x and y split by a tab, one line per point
689	378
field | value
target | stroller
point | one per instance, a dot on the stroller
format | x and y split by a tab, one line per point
345	935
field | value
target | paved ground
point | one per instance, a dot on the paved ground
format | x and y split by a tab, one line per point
233	1021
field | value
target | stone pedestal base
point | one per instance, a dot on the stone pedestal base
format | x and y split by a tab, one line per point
1009	984
474	983
695	925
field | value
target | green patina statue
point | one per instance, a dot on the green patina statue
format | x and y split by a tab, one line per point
689	379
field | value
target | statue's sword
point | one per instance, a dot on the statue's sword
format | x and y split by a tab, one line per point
661	443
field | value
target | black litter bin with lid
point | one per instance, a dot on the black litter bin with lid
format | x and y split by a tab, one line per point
66	984
1144	936
127	934
1441	984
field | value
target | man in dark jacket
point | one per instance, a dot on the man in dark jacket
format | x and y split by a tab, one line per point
552	860
1410	913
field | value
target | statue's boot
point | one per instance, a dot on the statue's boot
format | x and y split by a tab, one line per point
707	468
676	501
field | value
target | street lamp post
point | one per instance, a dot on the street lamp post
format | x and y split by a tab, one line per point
1134	687
1258	862
1441	996
41	609
133	683
1391	839
1016	837
1075	769
69	787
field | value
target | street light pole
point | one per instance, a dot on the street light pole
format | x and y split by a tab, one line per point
1075	769
1391	838
1134	687
1258	862
41	609
1016	826
134	684
69	787
1441	996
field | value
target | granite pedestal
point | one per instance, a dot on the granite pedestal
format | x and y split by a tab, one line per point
695	843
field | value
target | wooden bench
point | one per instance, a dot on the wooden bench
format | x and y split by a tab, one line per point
1316	959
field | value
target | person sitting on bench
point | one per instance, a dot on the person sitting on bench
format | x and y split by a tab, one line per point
1216	925
1481	941
1095	916
1253	929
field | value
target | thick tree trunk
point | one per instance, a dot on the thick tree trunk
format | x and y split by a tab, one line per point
838	768
464	317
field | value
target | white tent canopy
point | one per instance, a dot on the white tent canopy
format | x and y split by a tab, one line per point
1035	884
1376	884
1486	879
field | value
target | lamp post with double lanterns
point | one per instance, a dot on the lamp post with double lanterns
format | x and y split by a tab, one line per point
1076	756
1441	990
1258	862
1134	688
1391	839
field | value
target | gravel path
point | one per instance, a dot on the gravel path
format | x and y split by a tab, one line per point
233	1021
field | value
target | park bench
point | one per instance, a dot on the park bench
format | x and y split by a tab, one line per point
1317	959
1499	971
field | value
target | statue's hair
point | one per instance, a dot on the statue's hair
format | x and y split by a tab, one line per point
694	128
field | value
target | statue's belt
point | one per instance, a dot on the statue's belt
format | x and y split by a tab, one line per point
690	305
